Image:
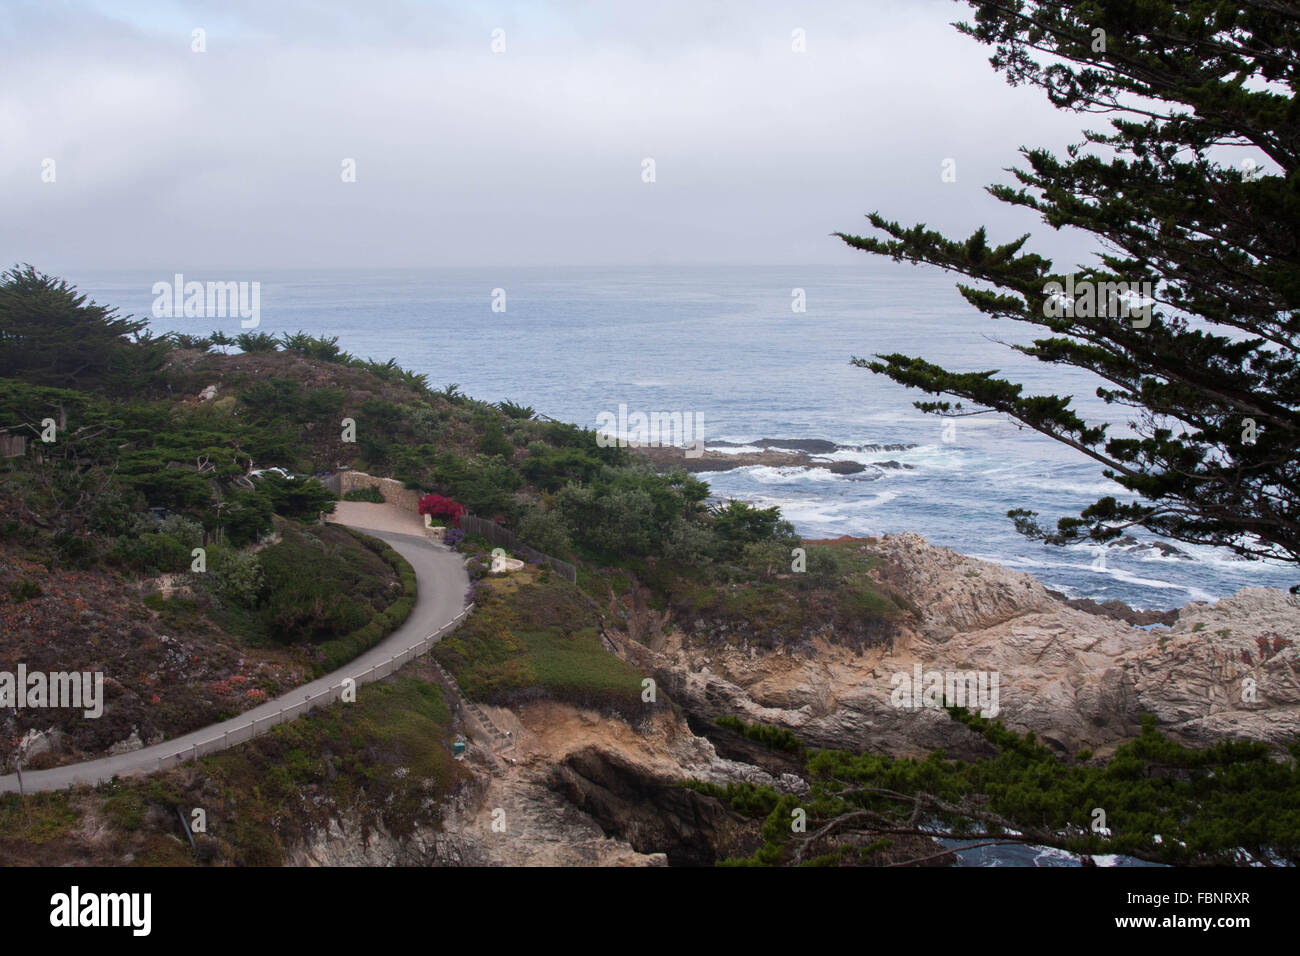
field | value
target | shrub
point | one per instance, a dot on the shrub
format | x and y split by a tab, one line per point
824	568
444	508
22	589
185	530
300	498
765	558
324	349
365	494
256	342
236	575
511	410
245	516
151	553
738	524
494	441
545	531
689	542
774	738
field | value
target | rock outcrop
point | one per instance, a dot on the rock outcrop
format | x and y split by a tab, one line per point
1077	679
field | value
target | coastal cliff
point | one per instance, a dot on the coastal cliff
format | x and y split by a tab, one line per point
1076	679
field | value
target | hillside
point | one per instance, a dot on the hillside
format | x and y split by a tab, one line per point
708	673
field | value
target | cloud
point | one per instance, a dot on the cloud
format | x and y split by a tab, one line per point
168	158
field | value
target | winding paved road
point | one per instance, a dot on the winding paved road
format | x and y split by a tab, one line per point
442	582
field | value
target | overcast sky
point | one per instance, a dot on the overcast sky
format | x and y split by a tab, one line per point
172	159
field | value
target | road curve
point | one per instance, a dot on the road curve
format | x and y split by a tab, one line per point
442	582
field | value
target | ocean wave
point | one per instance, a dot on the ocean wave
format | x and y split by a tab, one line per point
785	474
1109	569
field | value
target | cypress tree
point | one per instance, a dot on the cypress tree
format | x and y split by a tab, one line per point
1193	188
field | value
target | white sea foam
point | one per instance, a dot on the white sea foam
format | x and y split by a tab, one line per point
785	475
1109	570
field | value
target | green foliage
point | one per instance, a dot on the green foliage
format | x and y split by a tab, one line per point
245	516
256	342
1204	805
390	371
151	553
316	591
528	639
765	559
125	811
51	335
370	494
545	531
321	349
493	441
38	818
628	511
824	568
182	341
298	498
185	530
551	468
747	799
1213	367
236	575
23	589
689	542
738	524
774	738
512	410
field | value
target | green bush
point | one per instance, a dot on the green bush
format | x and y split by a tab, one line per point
236	575
337	652
545	531
689	542
256	342
299	498
245	516
738	524
493	440
365	494
774	738
824	568
151	554
185	530
22	589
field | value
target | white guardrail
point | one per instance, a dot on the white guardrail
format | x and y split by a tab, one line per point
261	725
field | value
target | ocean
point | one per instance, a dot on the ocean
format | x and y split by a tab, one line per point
725	345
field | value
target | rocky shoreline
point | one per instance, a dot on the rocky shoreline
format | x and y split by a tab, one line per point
1080	675
584	788
773	452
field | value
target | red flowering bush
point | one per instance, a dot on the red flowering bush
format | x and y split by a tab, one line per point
440	506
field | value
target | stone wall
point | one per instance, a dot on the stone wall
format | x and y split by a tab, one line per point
394	492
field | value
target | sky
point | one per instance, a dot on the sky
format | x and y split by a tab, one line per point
163	157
